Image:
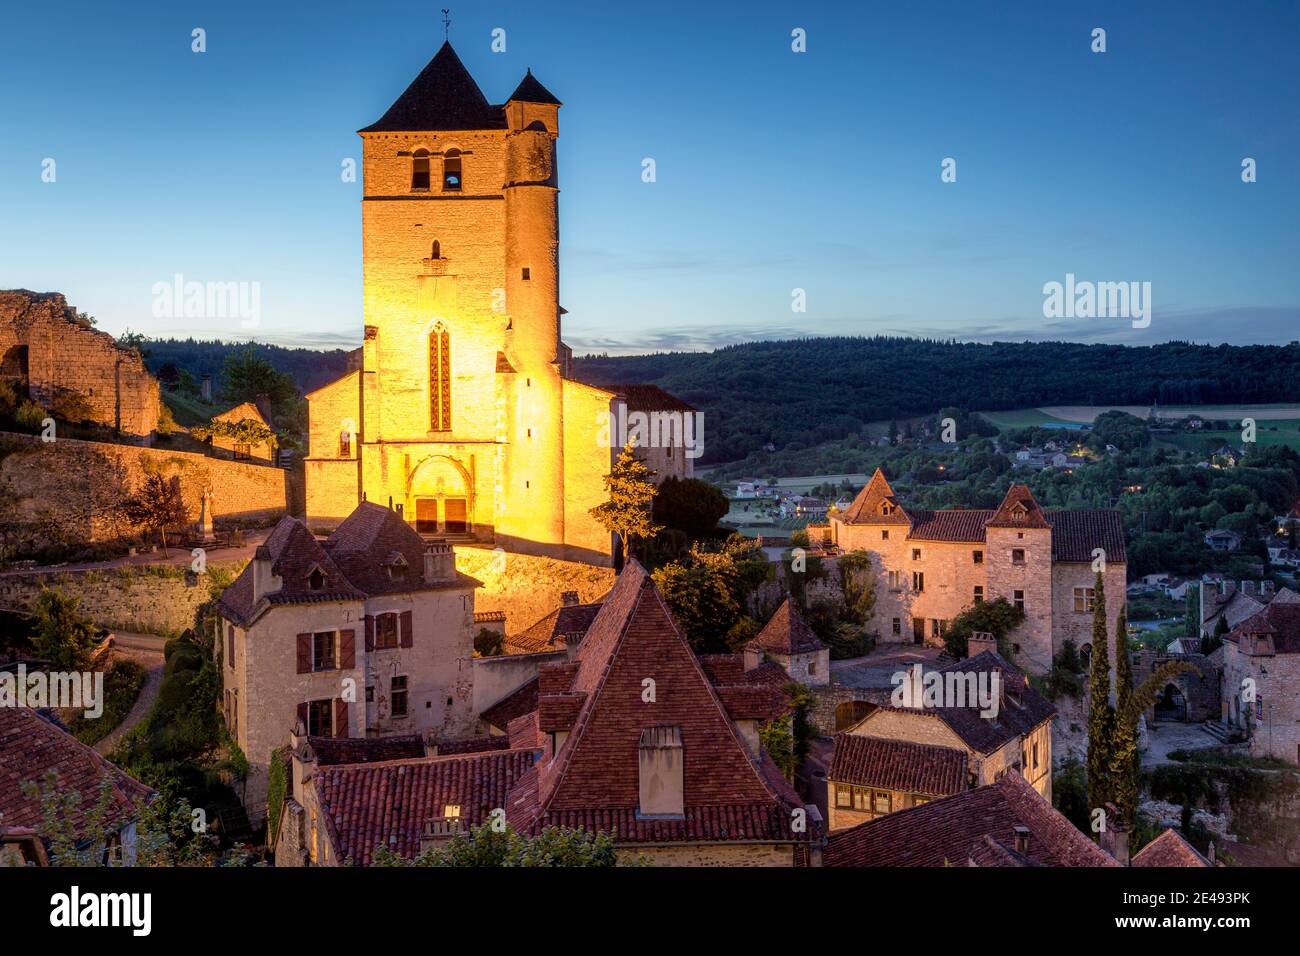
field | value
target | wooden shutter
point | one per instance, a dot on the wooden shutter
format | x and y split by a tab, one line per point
408	631
370	633
302	715
304	653
340	717
347	650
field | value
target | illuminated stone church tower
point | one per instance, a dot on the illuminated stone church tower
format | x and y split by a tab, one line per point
459	411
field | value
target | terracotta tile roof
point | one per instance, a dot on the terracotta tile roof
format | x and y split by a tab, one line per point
367	804
898	765
1019	509
443	97
944	831
520	701
755	694
649	398
867	506
475	745
1280	620
247	411
1169	849
593	780
952	524
787	633
31	747
338	750
550	633
989	852
1076	532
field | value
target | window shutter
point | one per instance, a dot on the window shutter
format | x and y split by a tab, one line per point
408	634
304	653
347	649
302	715
340	717
370	633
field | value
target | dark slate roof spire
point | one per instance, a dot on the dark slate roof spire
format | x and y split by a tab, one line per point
530	90
443	97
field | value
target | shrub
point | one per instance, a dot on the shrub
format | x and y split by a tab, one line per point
31	415
122	684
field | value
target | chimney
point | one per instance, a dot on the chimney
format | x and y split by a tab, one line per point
264	580
1022	840
1114	839
263	403
979	642
304	761
439	563
663	792
1209	853
568	598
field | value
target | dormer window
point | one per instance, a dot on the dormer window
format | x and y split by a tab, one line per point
451	171
1018	511
886	508
420	171
316	580
396	567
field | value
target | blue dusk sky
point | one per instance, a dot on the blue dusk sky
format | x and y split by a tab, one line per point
776	170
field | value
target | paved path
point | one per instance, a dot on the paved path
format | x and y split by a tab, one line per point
176	557
146	650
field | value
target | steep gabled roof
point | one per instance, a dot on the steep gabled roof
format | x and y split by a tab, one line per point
949	524
1075	533
530	90
443	97
592	782
339	750
787	633
548	633
1280	620
1019	509
943	832
1169	849
370	540
869	505
32	747
649	398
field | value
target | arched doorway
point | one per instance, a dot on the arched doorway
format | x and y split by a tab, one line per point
440	495
1171	704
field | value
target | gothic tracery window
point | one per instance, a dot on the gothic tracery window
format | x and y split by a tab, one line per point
439	380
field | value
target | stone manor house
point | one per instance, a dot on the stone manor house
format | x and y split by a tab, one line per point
934	564
460	412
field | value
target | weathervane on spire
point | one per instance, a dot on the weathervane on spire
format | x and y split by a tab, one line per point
446	24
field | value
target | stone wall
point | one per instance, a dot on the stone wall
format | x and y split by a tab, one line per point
47	353
70	492
527	587
149	600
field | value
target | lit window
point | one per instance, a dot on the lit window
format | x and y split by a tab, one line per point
881	802
420	170
451	811
1084	600
843	796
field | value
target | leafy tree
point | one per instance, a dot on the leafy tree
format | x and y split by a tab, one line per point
778	740
485	846
1101	715
62	636
702	598
858	584
135	342
246	375
157	505
998	617
488	643
690	505
628	512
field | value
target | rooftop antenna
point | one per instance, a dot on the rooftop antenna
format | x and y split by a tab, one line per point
446	24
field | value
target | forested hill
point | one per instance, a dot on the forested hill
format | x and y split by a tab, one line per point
310	368
813	390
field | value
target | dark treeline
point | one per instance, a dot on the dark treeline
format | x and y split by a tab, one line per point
310	368
820	389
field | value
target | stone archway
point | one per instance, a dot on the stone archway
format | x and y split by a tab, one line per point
14	369
440	497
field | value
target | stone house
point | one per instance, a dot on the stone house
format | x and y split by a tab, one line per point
461	411
49	356
1261	678
790	642
226	447
369	632
634	736
1221	540
1017	737
932	565
870	777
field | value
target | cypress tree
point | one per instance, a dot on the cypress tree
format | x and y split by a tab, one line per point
1101	716
1125	763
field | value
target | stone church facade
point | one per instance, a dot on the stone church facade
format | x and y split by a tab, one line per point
932	565
460	411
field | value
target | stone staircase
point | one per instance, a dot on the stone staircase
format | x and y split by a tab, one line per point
1218	730
233	827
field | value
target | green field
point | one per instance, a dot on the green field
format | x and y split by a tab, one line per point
188	410
1022	418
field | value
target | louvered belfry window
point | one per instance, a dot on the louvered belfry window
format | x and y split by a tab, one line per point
439	380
